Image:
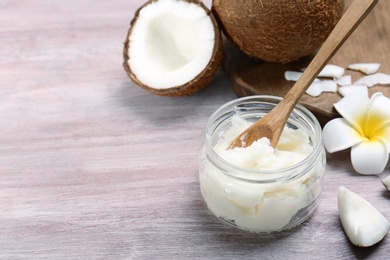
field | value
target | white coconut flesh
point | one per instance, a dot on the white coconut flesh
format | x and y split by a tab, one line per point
171	43
363	224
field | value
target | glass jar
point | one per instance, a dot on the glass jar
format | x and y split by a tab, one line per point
261	200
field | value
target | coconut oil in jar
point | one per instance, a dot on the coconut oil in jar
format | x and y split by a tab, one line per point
259	188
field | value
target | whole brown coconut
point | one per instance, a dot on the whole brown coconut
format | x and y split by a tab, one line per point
277	30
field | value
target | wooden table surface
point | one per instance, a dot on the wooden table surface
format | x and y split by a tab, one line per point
93	167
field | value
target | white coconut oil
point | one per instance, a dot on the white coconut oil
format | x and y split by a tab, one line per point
259	188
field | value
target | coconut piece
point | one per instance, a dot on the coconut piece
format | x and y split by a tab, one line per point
292	75
374	79
277	30
351	89
386	182
332	71
173	48
344	80
317	87
366	68
363	224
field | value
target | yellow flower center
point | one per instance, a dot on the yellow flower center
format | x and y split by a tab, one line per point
372	126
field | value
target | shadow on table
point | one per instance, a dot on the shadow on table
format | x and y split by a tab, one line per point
365	252
158	110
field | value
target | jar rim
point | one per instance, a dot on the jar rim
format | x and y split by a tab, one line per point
303	113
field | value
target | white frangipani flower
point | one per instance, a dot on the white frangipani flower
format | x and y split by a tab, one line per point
365	128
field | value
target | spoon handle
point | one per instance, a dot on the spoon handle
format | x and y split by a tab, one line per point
355	14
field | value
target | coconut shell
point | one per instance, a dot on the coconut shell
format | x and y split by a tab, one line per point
192	86
277	30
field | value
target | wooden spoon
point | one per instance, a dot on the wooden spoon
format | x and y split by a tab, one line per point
272	124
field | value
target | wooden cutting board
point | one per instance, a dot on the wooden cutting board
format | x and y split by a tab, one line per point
369	43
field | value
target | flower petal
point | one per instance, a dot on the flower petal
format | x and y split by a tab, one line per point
378	118
354	108
383	131
338	135
380	107
370	157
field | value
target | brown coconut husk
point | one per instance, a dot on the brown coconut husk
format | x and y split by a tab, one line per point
277	30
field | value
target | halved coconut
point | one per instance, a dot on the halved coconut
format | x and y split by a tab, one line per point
173	47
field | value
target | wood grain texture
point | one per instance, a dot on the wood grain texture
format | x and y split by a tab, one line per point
369	43
93	167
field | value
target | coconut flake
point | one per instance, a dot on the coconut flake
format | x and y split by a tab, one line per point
374	79
292	75
367	68
386	182
317	87
344	80
332	71
350	89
